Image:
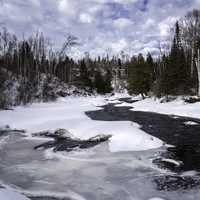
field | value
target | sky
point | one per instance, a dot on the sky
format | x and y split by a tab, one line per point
102	26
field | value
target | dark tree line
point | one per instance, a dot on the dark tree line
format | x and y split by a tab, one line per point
176	72
33	62
141	74
35	65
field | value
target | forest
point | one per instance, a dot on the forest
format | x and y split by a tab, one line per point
31	69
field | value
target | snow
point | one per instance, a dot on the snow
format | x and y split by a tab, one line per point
191	123
3	141
124	104
114	101
127	135
8	194
120	95
172	161
156	198
57	195
127	175
189	173
68	113
176	107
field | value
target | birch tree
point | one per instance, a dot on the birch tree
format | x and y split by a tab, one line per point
190	30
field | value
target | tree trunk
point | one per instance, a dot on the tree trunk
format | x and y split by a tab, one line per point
192	62
143	95
198	70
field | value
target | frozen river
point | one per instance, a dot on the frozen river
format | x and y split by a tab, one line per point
94	174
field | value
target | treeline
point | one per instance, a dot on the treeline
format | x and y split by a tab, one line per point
30	66
175	72
34	64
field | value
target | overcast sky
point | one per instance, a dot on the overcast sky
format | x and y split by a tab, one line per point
102	26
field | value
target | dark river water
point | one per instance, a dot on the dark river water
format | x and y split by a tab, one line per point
96	174
173	130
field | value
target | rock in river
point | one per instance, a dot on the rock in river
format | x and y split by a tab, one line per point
64	141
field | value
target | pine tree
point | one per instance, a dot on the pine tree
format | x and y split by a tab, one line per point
151	68
99	83
85	76
102	84
140	74
175	75
108	82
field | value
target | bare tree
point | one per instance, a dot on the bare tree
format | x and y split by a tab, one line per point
190	32
69	42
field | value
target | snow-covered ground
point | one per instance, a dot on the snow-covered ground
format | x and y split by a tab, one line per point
176	107
8	194
68	113
92	174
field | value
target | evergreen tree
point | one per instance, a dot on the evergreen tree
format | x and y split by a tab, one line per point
108	82
151	68
85	76
140	74
99	83
175	76
103	84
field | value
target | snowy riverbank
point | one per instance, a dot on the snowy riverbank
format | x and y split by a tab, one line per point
122	172
69	113
176	107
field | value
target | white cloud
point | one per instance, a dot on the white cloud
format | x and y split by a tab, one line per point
164	29
198	2
66	7
103	26
63	5
150	22
165	26
35	2
122	23
115	1
126	1
119	46
86	18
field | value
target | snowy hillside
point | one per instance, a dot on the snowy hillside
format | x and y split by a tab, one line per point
16	90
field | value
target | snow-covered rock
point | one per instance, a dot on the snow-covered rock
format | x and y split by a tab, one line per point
68	144
174	162
191	123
